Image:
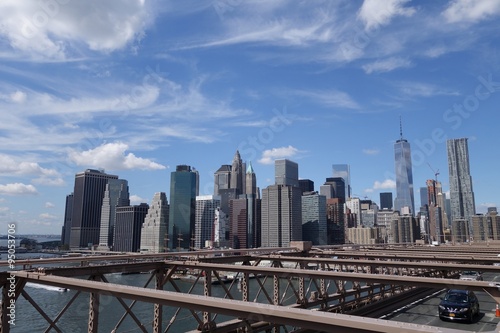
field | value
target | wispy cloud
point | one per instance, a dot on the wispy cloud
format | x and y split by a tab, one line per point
386	65
330	98
471	11
425	89
280	24
376	13
371	151
49	205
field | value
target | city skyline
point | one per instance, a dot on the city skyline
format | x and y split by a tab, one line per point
319	83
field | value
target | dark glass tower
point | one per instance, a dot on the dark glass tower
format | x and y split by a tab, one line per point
386	200
128	225
222	179
404	175
183	182
66	229
90	186
461	192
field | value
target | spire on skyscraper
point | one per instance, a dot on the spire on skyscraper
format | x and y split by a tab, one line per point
237	173
400	127
250	168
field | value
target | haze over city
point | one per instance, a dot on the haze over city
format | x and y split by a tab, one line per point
137	87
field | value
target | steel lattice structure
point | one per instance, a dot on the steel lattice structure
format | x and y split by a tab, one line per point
295	289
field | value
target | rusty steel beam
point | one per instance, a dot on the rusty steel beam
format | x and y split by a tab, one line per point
133	256
386	263
280	315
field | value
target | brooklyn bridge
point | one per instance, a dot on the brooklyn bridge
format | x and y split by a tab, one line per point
294	289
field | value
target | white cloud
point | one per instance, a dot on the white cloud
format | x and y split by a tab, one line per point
270	155
47	216
8	165
18	189
112	156
375	13
18	97
386	65
384	185
371	151
53	29
49	205
11	166
48	181
4	209
136	200
471	10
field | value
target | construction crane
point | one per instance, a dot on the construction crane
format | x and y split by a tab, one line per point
436	172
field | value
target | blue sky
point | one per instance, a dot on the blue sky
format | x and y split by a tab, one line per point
137	87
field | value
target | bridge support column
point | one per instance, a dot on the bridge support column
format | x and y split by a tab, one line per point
208	323
93	313
158	308
5	328
244	287
276	298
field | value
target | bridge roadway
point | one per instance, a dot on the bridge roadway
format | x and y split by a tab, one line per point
342	280
424	311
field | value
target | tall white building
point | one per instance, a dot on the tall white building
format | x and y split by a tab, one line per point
354	204
115	195
207	206
281	215
154	231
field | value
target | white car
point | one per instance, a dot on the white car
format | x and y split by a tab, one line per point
471	276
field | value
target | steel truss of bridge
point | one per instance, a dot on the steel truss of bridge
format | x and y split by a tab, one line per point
296	290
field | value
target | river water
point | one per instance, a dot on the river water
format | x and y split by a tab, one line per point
53	299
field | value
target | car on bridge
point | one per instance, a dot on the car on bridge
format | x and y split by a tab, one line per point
457	304
471	276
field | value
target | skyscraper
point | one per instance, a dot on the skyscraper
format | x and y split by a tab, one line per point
222	179
237	173
206	208
386	200
128	225
154	229
461	192
251	181
286	172
281	215
343	171
115	195
281	207
306	185
66	229
87	205
404	175
314	218
183	182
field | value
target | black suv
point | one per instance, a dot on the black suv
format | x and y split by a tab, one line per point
459	305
